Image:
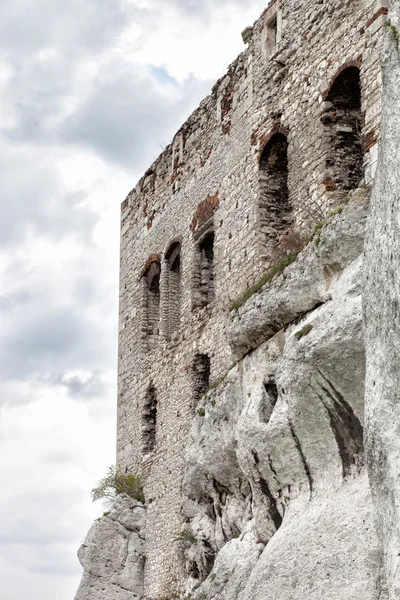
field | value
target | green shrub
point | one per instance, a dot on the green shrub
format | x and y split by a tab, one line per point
201	412
185	536
115	483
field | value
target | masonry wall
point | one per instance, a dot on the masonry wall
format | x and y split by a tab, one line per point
208	179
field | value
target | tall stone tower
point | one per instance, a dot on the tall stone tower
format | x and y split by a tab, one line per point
285	135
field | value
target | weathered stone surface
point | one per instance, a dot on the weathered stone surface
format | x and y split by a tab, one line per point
275	476
304	284
112	554
267	154
382	322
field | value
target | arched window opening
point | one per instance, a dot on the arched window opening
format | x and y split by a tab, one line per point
149	421
151	304
174	289
201	369
203	271
274	207
342	121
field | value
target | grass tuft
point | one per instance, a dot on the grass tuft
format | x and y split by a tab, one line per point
274	272
185	536
116	482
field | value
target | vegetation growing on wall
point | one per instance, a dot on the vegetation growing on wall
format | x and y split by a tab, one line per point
116	482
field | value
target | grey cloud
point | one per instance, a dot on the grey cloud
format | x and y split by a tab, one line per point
25	26
41	341
10	302
92	386
39	527
44	558
37	202
47	520
58	458
126	116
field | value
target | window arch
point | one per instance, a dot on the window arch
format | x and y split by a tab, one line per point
149	420
173	290
151	303
342	121
203	274
274	206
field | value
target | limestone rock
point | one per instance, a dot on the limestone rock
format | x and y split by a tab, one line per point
382	323
276	490
304	284
112	554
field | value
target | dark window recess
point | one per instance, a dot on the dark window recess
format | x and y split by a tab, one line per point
206	251
342	121
274	208
173	281
203	272
270	399
151	306
272	33
149	421
201	369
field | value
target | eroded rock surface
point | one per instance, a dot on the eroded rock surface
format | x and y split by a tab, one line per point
112	554
303	285
276	491
382	318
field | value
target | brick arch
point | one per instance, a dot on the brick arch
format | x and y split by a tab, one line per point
204	212
264	140
176	240
351	63
154	258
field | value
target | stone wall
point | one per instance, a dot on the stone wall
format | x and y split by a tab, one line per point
210	181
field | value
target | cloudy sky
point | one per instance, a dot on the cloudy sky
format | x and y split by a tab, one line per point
91	90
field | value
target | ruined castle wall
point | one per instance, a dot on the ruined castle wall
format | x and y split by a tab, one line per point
209	177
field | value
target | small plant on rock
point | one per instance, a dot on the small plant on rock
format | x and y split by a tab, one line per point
185	536
114	483
302	332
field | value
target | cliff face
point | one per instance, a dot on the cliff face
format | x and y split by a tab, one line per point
276	492
382	324
283	495
112	554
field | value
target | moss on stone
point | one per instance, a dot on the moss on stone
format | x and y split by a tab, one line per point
274	272
303	332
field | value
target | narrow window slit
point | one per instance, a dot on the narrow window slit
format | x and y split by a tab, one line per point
203	274
174	291
149	421
201	369
151	305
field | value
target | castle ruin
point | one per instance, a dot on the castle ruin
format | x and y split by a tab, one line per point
287	136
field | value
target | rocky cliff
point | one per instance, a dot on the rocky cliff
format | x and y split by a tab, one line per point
112	554
276	491
284	497
382	324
